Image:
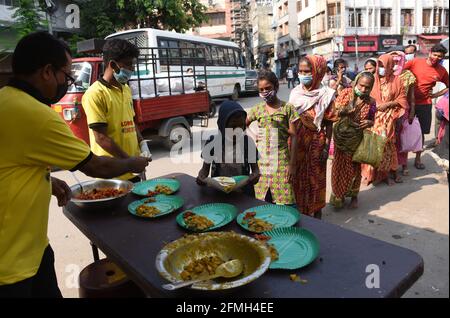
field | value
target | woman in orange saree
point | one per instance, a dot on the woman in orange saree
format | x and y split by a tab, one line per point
389	94
310	146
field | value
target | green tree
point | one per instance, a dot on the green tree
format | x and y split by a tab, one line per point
178	15
28	17
100	18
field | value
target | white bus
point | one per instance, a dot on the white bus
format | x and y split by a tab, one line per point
225	65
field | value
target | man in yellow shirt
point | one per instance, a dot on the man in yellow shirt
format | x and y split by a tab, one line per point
108	105
33	138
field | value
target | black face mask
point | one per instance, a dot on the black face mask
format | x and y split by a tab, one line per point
61	90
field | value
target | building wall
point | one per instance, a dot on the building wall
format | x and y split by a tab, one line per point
217	31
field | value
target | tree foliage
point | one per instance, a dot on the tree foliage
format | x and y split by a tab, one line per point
102	17
28	17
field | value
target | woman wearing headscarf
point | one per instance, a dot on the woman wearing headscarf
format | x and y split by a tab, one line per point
389	94
313	102
409	80
356	111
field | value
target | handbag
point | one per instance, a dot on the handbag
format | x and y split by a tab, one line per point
370	150
411	136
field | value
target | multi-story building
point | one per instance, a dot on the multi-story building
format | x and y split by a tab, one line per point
286	39
357	29
219	23
261	16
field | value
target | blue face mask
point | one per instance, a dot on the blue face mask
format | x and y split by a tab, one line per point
123	76
305	79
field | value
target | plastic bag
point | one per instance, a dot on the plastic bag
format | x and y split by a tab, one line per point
370	150
411	136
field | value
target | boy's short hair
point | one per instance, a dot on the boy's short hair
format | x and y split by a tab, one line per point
118	49
439	48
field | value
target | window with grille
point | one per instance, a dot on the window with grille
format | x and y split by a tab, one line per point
386	16
355	18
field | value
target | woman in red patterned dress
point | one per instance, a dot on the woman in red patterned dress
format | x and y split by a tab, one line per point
356	110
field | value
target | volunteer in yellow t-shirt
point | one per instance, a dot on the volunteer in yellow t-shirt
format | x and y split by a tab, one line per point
32	138
108	105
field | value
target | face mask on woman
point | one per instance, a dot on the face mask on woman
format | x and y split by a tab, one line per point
269	96
305	79
409	57
381	71
359	93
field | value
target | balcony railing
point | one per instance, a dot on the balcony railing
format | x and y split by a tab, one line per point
334	22
435	29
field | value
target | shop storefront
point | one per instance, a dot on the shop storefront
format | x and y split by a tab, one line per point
364	43
385	42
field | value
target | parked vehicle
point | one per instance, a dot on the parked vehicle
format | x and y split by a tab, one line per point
225	65
165	104
251	81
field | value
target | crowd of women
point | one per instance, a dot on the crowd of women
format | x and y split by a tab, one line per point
328	109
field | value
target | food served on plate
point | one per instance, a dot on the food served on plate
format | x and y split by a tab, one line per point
265	238
205	266
255	224
96	194
196	222
226	183
147	211
150	200
163	189
159	189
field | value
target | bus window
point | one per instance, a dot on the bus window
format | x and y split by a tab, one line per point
237	61
209	59
200	53
163	54
231	57
174	53
221	56
214	56
226	58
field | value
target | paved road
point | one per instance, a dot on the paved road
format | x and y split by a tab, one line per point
413	215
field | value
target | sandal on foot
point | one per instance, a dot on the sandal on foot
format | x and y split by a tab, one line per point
419	166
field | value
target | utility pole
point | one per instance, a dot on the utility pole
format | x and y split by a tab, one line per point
50	8
356	35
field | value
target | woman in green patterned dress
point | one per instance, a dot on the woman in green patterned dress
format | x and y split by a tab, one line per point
275	119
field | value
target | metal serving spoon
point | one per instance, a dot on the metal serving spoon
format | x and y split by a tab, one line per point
229	269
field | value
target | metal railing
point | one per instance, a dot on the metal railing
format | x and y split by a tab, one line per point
154	59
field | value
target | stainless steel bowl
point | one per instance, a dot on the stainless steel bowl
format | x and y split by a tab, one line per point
254	255
126	186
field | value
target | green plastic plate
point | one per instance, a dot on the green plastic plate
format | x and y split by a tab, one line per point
239	178
143	187
296	247
164	207
174	201
219	213
278	215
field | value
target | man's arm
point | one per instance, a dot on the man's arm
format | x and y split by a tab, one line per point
107	167
439	94
106	142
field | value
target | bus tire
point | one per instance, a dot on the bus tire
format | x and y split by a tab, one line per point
236	92
178	133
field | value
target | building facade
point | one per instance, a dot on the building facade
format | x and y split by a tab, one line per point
261	18
218	25
360	29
